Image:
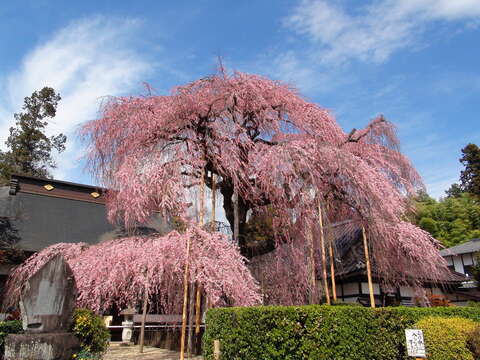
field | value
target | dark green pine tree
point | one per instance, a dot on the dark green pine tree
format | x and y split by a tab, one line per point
454	191
29	148
470	176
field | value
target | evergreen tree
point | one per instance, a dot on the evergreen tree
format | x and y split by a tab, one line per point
470	176
29	148
454	191
452	220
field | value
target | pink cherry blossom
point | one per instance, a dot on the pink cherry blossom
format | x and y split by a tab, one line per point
278	151
275	148
116	272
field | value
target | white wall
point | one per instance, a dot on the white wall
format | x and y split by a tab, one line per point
457	264
339	290
365	290
468	259
449	260
350	289
437	291
406	292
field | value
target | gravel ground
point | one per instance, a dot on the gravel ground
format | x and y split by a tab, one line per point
116	352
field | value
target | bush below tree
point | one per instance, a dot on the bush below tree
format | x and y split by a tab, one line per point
317	331
473	342
92	332
447	338
89	328
6	328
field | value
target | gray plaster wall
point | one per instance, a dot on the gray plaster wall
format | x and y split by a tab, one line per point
43	220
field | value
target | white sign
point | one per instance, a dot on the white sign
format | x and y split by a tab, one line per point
415	343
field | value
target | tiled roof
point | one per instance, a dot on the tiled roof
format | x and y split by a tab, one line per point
350	259
469	247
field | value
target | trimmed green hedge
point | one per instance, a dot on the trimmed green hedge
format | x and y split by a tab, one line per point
447	338
317	331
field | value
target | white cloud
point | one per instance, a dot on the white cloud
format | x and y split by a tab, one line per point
372	32
441	9
84	61
291	69
437	186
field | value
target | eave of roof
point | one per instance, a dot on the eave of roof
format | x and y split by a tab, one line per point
59	189
471	246
72	184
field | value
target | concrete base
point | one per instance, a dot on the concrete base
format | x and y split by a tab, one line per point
50	346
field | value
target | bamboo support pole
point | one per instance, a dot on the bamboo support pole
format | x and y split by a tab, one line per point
332	268
198	297
369	269
324	258
214	201
144	317
185	302
202	198
216	349
198	306
191	309
236	224
313	280
213	221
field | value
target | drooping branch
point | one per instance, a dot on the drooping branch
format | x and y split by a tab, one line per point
278	149
217	267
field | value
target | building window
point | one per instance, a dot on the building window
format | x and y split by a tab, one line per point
468	270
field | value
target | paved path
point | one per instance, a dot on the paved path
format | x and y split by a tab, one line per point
117	352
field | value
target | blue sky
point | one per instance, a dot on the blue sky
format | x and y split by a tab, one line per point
415	61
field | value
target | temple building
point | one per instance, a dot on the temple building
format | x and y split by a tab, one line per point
36	213
352	282
461	259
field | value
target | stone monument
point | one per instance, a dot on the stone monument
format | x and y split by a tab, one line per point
47	304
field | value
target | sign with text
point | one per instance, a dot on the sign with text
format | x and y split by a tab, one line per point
415	343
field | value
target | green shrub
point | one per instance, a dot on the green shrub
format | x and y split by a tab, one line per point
8	327
341	303
446	338
473	342
86	355
91	330
317	331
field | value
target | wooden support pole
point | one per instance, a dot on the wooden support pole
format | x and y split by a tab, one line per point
332	268
198	309
202	198
214	224
191	309
236	220
324	258
214	201
216	349
369	269
185	302
144	317
313	280
198	297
